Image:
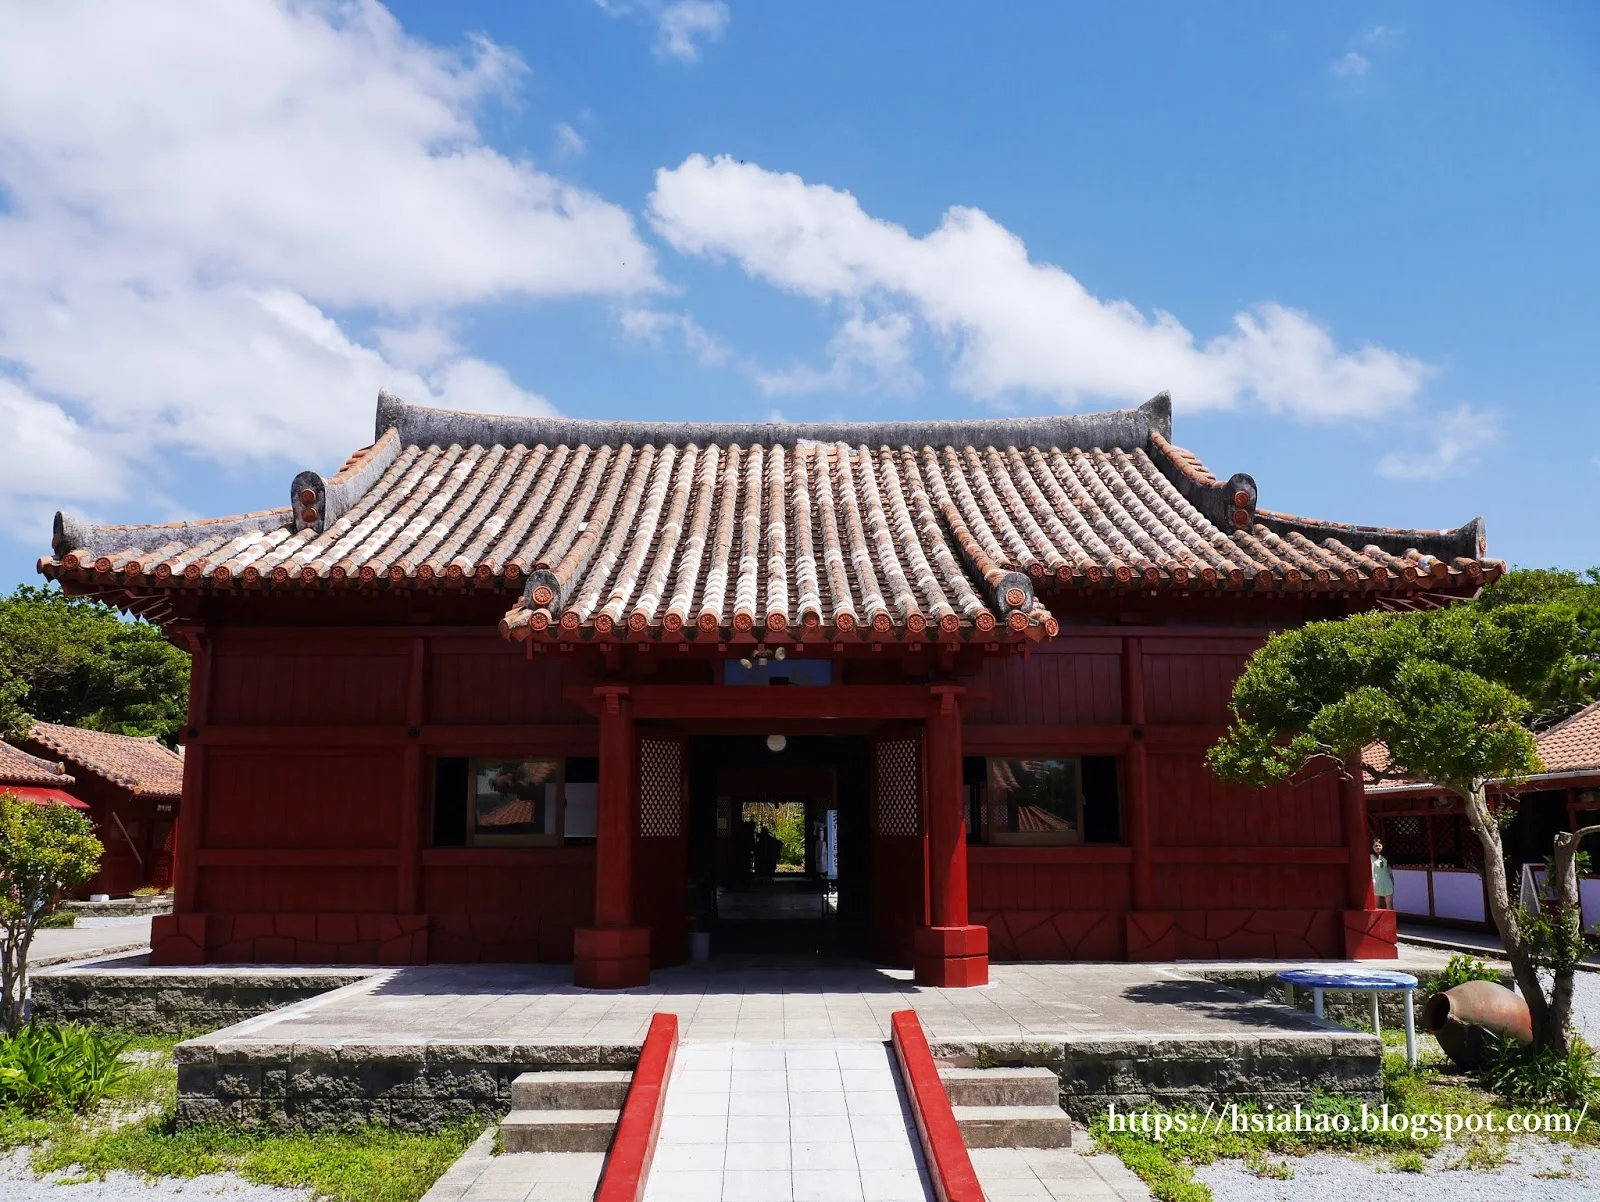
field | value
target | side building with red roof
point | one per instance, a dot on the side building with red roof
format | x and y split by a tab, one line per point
32	778
131	788
1435	857
522	689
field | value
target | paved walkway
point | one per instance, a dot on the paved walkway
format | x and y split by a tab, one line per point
811	1122
1421	934
538	1004
1058	1174
91	937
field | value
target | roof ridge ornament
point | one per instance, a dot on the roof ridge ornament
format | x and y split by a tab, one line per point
317	503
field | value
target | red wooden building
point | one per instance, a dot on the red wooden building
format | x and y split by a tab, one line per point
529	690
131	787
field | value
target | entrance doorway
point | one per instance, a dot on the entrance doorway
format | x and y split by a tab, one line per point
779	847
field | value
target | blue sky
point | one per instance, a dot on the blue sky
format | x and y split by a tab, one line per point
1356	242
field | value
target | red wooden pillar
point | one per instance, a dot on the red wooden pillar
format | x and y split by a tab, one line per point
949	950
180	937
413	795
1369	933
614	954
1150	932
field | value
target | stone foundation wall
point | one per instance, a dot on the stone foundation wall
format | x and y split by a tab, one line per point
172	1003
121	907
409	1086
1188	1071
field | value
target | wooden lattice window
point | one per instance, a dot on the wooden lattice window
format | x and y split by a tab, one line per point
895	773
660	788
1405	840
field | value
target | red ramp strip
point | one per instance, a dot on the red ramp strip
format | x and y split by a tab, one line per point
949	1166
637	1130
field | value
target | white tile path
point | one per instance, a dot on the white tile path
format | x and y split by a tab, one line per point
1056	1174
821	1121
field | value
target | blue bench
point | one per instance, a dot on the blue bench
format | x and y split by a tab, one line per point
1357	980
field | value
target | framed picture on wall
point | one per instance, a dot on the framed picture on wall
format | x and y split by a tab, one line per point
515	801
1035	800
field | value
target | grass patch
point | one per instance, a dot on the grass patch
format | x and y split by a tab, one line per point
372	1164
1167	1165
133	1129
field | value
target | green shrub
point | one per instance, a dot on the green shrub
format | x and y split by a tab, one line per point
1460	969
70	1067
1540	1075
59	920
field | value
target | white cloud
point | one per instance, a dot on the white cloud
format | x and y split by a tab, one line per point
1458	438
44	446
679	26
473	384
199	196
1015	324
867	353
1351	66
1354	67
569	142
652	326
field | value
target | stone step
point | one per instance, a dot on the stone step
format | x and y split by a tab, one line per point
1001	1086
558	1130
1014	1126
570	1090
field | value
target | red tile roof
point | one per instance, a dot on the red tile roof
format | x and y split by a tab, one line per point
143	765
17	767
1572	745
889	529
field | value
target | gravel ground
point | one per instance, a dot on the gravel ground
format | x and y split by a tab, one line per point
1345	1179
1350	1179
1586	1006
18	1184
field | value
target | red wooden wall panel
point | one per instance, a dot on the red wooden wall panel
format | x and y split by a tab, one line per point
1072	680
292	680
511	913
1042	886
296	890
282	798
490	680
1191	679
1250	886
1190	807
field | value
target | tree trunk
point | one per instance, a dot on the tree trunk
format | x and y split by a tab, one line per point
11	962
1483	825
1564	890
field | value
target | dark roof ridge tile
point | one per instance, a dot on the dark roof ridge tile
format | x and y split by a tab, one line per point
1466	541
424	426
73	534
19	767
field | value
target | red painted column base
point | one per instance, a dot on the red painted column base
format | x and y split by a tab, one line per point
951	957
611	957
1371	935
178	939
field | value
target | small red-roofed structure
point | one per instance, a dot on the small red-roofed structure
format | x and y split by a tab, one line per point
131	788
527	689
1436	859
31	778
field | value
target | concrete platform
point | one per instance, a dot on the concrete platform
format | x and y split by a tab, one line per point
415	1047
